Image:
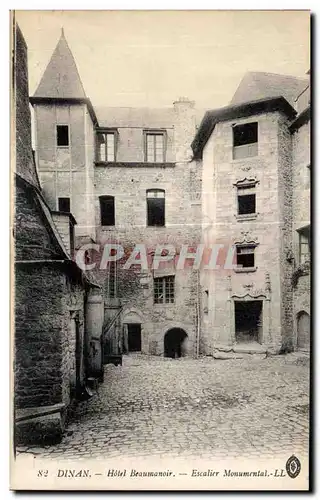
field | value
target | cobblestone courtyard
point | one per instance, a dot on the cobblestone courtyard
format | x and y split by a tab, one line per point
205	408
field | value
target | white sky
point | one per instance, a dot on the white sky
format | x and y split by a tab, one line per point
150	58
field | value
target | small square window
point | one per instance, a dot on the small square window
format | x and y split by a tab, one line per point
62	135
64	205
246	200
247	204
245	256
245	140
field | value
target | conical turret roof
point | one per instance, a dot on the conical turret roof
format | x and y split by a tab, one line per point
61	79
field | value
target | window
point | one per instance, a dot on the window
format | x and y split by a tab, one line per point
106	146
304	245
245	256
206	302
62	135
64	205
164	290
107	215
154	147
112	268
155	207
246	200
308	176
245	140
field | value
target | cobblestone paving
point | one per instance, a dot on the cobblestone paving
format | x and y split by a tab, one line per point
196	408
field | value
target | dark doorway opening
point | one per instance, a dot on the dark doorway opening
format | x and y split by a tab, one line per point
174	343
303	325
134	337
248	321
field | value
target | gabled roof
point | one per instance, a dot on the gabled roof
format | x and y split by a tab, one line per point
61	79
259	85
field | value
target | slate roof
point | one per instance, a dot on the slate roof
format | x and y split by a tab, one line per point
139	117
259	85
61	78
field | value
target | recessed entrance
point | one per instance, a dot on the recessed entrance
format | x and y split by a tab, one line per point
174	341
303	326
248	321
134	337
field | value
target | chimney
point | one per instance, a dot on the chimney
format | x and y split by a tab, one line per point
184	128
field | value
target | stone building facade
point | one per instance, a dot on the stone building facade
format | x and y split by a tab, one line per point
254	154
301	231
152	177
55	337
127	177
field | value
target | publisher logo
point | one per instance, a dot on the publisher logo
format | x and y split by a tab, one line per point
293	467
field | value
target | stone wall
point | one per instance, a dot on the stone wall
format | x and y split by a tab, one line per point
47	299
67	171
222	226
24	158
73	318
38	326
285	203
72	172
301	214
135	286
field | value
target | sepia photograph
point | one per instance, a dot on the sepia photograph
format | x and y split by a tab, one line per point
161	250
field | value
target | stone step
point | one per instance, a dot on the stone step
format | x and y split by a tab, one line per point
217	354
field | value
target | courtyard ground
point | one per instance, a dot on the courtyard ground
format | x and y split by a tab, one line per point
204	408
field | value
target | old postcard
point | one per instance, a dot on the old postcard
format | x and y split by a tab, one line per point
161	233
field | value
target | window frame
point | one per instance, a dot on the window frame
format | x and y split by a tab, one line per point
112	279
62	146
252	150
106	132
242	185
158	190
105	198
155	132
170	286
304	232
58	204
242	269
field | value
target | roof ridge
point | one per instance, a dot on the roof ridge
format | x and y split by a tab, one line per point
283	75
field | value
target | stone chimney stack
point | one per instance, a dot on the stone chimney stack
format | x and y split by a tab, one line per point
184	128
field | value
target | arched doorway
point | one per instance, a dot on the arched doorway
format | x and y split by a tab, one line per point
303	330
174	341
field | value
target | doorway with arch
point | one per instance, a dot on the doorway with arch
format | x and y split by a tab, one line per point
303	330
175	343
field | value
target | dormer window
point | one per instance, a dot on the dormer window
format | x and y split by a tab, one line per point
106	146
245	140
154	146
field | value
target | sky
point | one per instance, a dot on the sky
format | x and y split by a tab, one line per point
151	58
